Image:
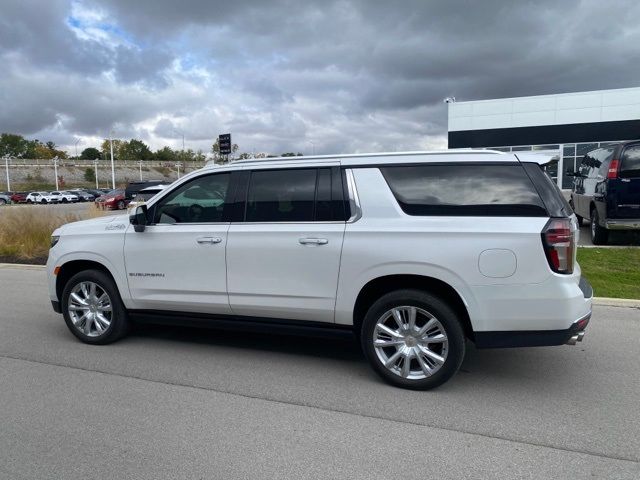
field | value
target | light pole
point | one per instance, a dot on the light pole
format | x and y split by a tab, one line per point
55	170
76	145
95	164
6	165
113	170
313	147
178	166
140	165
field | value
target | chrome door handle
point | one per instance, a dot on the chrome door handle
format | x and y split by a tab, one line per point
313	241
208	240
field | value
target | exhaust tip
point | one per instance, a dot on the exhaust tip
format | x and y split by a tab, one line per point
580	336
572	340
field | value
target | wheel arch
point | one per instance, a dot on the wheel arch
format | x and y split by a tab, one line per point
379	286
70	268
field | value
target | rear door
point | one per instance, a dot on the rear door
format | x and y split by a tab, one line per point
628	184
283	256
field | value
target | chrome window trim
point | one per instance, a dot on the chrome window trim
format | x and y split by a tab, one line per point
354	200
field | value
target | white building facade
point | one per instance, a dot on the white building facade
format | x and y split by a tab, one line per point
571	124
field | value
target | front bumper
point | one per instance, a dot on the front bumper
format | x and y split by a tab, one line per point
539	338
633	224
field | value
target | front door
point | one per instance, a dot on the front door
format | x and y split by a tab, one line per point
178	262
283	259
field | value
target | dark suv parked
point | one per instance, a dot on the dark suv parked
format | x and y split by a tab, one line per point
607	190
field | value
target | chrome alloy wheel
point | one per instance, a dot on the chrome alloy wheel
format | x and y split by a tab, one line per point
90	308
410	342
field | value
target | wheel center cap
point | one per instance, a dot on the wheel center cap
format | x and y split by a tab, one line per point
410	341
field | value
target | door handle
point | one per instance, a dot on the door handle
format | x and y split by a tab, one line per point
208	240
313	241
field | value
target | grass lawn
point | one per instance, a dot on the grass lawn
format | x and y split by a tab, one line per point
613	272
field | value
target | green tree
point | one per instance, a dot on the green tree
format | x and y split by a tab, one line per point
90	154
14	145
89	174
165	154
105	148
135	150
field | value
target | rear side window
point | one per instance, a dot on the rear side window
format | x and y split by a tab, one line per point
464	190
294	195
630	162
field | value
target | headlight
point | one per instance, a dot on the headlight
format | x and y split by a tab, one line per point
54	240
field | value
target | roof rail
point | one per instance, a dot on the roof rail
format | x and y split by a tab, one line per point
456	151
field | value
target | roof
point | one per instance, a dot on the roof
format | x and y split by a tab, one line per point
379	158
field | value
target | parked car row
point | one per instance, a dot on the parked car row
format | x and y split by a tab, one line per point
56	196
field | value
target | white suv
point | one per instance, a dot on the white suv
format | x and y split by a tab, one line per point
414	252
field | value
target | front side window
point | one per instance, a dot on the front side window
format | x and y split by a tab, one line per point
464	190
630	162
201	200
282	196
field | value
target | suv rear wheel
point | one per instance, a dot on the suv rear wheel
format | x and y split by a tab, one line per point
92	308
413	339
599	235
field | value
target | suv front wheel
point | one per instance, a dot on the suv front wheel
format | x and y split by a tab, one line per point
413	339
92	308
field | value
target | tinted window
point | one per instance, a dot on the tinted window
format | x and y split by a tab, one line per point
491	190
281	196
201	200
631	162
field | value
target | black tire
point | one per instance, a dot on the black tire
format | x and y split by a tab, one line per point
2	201
599	235
435	306
43	201
580	220
119	319
121	205
64	200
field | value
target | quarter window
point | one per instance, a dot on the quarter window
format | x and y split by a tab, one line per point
201	200
464	190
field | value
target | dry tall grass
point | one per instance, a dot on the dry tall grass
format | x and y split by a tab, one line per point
25	231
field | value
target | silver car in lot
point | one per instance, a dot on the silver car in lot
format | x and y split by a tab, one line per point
4	199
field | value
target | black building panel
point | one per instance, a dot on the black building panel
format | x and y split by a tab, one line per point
546	134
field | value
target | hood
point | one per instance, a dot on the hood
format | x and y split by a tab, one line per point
111	223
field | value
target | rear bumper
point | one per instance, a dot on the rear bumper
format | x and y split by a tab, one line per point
539	338
632	224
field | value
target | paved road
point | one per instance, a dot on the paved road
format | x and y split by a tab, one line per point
179	403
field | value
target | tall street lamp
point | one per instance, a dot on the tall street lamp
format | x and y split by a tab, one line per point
95	165
55	170
6	165
113	170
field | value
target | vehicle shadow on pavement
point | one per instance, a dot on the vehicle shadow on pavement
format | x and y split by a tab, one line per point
503	366
339	345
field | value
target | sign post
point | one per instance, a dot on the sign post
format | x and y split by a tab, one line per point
224	142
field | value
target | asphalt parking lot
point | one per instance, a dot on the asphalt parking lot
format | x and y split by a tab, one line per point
189	403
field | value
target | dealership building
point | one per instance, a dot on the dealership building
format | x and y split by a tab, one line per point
570	124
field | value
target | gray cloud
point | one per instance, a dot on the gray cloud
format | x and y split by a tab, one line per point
342	75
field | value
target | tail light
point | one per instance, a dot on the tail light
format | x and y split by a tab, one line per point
559	242
613	169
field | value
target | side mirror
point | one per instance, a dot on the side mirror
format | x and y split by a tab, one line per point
139	218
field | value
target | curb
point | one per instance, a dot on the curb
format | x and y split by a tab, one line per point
600	301
616	302
21	266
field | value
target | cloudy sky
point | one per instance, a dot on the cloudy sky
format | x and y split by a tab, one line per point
290	75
